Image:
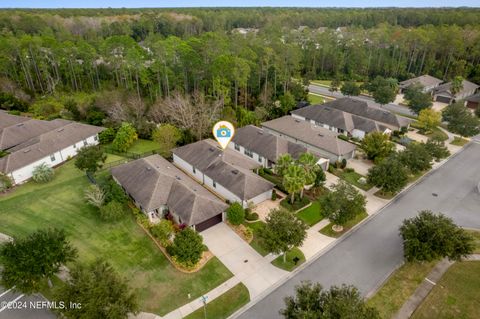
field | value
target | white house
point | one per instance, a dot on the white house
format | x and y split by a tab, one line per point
52	147
265	148
223	172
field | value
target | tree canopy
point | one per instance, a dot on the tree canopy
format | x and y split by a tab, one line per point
377	146
343	203
417	99
461	120
90	158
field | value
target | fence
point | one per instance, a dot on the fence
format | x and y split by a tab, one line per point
130	155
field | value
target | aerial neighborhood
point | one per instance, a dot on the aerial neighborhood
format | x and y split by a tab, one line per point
207	163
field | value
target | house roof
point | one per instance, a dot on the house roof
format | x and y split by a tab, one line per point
46	144
153	182
265	144
7	120
425	80
310	134
445	89
340	119
474	98
226	168
363	109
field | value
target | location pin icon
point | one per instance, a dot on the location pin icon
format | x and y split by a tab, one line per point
223	132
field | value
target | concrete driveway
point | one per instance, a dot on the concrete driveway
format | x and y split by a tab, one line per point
253	270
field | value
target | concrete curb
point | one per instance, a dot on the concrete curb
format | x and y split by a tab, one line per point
342	238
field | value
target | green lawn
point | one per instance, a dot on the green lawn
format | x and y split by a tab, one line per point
476	236
322	82
456	295
223	306
436	132
290	264
399	287
297	204
458	141
316	99
60	203
312	214
382	195
142	146
352	178
328	231
256	243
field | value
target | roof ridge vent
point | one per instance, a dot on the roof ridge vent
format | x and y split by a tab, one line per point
60	129
20	124
235	171
178	177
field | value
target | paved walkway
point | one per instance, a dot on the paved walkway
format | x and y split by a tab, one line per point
315	241
426	286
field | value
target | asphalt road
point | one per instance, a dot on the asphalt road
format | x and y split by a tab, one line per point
369	254
391	107
31	308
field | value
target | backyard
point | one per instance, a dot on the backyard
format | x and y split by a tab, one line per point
61	204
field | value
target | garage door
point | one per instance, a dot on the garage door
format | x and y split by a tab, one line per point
443	99
208	223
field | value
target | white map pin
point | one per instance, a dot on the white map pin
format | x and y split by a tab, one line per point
223	132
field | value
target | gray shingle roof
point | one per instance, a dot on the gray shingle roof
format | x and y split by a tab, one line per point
310	134
444	89
425	80
8	119
265	144
226	168
46	144
474	98
153	182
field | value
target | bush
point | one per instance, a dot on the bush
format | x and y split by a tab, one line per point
5	183
125	137
274	195
112	211
163	231
113	192
349	170
187	247
343	163
251	217
43	173
236	214
106	136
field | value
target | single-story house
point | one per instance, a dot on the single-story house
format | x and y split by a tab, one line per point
53	144
161	190
266	148
473	102
428	82
315	138
351	117
224	172
444	94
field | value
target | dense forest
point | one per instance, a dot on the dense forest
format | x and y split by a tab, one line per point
112	65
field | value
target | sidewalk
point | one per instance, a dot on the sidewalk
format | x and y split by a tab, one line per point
426	286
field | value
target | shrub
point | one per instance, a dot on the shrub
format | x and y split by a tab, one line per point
252	217
95	196
112	211
125	137
5	183
163	231
274	195
113	192
106	136
43	173
236	214
187	247
349	170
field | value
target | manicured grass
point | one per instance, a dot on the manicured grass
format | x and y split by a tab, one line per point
224	305
311	214
297	204
456	295
142	146
316	99
352	178
399	287
328	231
60	203
290	264
322	82
458	141
434	133
383	195
256	243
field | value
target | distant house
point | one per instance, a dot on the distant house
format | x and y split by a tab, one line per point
315	138
266	148
351	117
226	173
473	101
444	94
161	190
29	143
428	82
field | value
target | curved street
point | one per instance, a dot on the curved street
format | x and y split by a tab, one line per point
368	255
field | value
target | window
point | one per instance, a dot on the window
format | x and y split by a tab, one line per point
260	159
237	147
214	184
248	153
52	157
85	143
194	170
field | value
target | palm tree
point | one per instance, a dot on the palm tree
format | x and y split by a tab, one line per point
294	180
308	162
283	162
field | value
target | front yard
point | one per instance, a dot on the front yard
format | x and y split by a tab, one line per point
328	231
352	177
311	214
294	258
60	203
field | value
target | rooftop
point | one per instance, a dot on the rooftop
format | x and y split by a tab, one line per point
425	80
